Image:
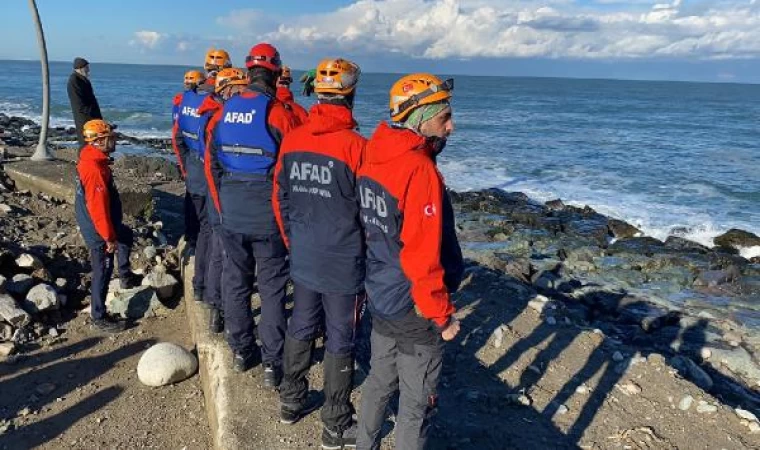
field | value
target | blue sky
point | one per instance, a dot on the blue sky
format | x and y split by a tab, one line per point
707	40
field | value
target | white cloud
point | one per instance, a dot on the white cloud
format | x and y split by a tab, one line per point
147	39
438	29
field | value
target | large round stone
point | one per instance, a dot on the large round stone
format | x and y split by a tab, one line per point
166	363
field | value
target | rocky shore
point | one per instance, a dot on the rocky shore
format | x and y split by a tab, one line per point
578	330
23	132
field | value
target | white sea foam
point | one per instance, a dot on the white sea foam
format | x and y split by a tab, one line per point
750	252
653	217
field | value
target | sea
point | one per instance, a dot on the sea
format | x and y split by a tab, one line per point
668	157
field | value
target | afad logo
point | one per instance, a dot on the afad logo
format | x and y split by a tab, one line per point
407	87
239	117
429	210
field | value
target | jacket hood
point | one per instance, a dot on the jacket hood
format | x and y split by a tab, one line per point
388	143
329	118
209	103
91	154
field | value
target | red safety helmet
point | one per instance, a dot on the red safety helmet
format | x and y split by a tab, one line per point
264	55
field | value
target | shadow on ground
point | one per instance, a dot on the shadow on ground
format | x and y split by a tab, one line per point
58	373
478	408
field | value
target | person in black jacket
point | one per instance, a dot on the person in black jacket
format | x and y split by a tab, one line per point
84	105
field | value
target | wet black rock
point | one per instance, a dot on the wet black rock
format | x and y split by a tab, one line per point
735	238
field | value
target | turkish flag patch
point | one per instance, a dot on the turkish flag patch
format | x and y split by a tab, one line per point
429	210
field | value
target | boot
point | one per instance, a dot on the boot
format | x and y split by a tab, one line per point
339	381
272	375
215	321
129	281
294	388
339	438
242	361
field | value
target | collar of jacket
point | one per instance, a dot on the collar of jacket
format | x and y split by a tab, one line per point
90	153
330	118
210	103
388	143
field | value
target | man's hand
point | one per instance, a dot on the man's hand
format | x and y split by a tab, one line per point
451	330
110	247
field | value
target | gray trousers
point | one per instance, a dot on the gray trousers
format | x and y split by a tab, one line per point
414	373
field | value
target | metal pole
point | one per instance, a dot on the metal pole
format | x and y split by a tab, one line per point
42	153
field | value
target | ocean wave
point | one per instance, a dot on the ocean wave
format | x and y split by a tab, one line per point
750	252
653	217
28	112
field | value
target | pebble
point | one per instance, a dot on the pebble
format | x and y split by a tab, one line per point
11	313
631	388
40	298
27	261
744	414
705	353
754	427
562	410
519	399
7	348
498	337
164	284
704	407
617	357
53	333
149	252
537	306
551	321
5	209
685	403
166	363
582	389
25	412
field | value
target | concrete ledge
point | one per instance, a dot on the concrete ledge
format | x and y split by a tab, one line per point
57	179
53	178
242	414
214	367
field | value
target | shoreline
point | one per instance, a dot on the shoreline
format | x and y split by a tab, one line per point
571	323
23	132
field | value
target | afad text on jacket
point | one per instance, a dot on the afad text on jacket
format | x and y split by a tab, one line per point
413	258
315	201
242	149
194	110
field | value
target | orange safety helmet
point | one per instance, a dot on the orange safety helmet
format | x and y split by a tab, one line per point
194	78
96	129
416	90
336	76
230	77
218	59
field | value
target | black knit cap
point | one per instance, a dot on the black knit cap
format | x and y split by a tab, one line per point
80	62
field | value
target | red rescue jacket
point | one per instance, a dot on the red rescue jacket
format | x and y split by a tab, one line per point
285	95
315	201
98	206
406	213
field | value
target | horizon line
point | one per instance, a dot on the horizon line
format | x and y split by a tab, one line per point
601	78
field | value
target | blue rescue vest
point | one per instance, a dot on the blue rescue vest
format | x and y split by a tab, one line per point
243	141
192	126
